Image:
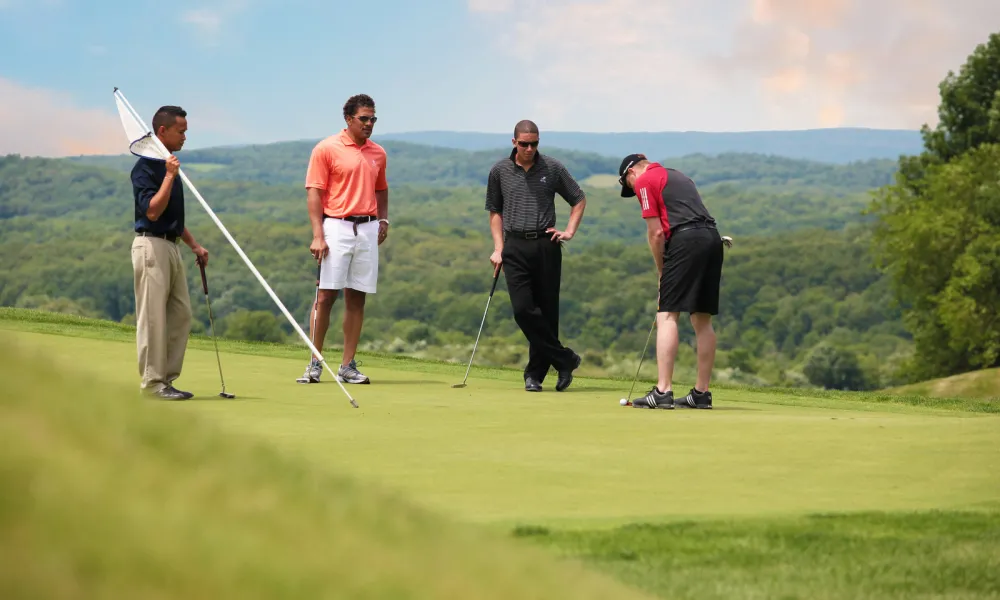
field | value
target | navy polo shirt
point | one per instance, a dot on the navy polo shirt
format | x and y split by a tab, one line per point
147	177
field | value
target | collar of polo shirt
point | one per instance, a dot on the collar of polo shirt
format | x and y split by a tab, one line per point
513	155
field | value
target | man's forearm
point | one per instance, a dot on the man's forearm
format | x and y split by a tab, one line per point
158	203
382	201
315	203
189	239
496	229
575	216
656	245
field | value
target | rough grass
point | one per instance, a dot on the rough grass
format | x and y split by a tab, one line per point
904	556
106	495
984	384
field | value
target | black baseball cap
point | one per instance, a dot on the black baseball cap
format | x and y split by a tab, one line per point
627	164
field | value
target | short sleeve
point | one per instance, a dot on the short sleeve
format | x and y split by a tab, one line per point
567	186
144	186
494	193
318	173
381	183
649	192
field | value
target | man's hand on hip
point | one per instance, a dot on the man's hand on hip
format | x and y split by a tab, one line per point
319	249
559	236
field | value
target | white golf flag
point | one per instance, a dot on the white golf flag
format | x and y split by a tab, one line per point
140	139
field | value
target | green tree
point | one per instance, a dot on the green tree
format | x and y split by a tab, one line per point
835	368
938	226
253	325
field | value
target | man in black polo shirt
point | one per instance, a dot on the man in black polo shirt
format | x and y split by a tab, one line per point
687	250
162	303
520	195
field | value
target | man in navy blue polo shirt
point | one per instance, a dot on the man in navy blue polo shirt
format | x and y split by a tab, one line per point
162	302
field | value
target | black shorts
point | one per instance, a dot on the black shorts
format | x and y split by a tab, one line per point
692	272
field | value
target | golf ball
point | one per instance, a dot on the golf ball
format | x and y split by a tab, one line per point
623	402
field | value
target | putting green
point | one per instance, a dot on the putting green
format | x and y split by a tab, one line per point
494	454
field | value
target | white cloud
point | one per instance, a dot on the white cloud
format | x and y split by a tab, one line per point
735	64
42	122
206	20
494	6
209	22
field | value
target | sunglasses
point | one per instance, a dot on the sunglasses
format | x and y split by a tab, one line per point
365	118
526	144
621	180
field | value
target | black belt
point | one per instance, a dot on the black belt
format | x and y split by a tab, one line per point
354	219
170	237
528	235
695	225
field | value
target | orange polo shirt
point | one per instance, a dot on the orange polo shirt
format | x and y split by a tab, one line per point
348	175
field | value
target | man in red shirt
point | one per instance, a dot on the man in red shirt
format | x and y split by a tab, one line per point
687	249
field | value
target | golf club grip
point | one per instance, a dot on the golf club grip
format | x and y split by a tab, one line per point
319	269
204	281
496	278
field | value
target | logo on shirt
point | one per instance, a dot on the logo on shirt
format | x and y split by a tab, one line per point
543	178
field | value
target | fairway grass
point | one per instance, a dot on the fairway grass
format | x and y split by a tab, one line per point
103	496
774	494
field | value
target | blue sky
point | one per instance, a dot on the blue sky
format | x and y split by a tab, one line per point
262	71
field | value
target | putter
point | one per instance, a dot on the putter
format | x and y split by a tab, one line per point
628	399
496	277
204	286
312	330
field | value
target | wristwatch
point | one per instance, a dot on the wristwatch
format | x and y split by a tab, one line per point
386	221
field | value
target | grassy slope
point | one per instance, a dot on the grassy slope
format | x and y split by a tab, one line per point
735	491
105	497
983	384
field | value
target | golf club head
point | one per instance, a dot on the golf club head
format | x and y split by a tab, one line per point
458	385
227	395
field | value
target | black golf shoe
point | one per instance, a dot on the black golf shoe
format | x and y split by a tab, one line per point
566	377
696	399
655	399
531	384
169	392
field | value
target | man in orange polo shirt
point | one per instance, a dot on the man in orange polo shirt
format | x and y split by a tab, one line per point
348	199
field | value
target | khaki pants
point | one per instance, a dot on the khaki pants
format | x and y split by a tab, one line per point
162	310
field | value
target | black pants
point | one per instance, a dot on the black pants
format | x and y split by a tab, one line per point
533	270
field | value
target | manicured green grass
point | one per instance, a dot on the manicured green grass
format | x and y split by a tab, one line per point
726	500
103	496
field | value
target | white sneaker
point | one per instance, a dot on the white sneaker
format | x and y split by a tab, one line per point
351	374
313	372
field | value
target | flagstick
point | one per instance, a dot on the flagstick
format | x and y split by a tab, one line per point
225	232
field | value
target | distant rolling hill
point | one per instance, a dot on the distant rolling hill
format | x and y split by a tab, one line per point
285	163
838	145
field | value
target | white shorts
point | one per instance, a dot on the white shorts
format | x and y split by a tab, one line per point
353	259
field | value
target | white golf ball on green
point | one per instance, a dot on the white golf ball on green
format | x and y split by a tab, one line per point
623	402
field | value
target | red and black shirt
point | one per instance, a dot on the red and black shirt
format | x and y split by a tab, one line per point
670	195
